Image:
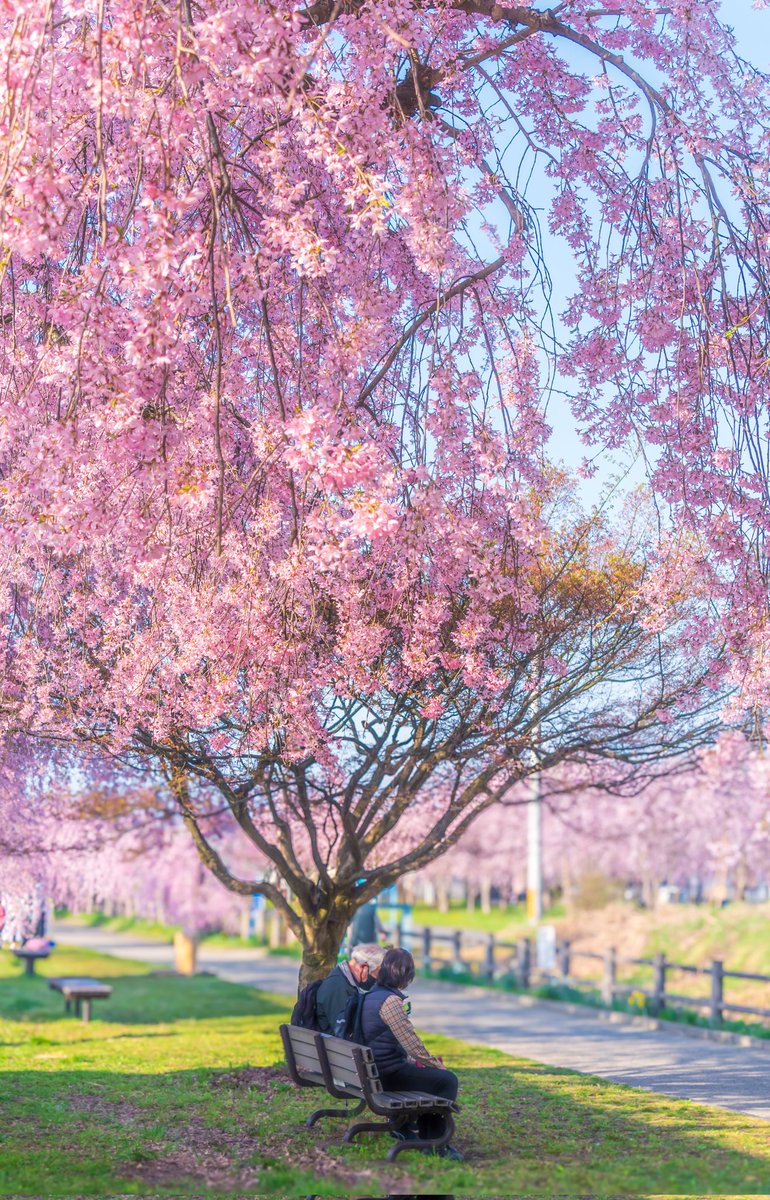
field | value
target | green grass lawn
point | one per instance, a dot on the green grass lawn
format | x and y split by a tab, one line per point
156	930
696	933
137	925
509	921
177	1088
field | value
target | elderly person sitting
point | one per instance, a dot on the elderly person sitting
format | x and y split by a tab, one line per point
336	1003
402	1060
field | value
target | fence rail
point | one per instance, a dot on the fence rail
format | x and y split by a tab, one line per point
494	959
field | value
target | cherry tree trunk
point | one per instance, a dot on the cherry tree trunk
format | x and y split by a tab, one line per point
321	947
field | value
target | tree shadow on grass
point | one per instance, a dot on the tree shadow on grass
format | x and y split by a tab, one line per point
139	1000
204	1132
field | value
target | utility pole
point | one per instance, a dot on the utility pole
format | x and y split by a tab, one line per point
535	853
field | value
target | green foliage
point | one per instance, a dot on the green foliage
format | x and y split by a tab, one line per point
177	1088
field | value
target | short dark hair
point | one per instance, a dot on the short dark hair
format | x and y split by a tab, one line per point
397	970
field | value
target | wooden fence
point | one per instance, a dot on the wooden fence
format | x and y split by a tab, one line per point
491	959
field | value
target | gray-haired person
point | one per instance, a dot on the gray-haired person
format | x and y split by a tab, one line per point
338	998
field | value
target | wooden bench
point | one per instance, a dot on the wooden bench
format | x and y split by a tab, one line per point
82	991
348	1071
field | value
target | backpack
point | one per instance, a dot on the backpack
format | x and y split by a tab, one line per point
304	1013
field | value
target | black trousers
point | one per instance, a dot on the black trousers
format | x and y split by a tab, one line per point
433	1080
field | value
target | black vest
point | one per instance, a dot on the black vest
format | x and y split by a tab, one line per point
389	1054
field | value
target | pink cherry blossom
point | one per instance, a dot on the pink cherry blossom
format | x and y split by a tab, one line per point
279	522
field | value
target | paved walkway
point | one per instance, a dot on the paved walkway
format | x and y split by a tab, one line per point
666	1061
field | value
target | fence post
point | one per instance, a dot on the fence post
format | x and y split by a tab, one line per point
564	958
457	962
524	963
610	976
658	983
426	948
489	965
717	991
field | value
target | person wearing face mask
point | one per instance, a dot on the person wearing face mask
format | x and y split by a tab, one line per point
338	997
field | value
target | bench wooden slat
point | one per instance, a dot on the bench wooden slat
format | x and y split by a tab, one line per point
306	1054
302	1037
424	1099
335	1055
343	1047
348	1070
306	1062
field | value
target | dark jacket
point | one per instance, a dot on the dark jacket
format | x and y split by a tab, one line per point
388	1052
332	999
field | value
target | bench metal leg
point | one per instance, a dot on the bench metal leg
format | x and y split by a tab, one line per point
77	1007
68	1005
425	1143
86	1011
29	966
334	1112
